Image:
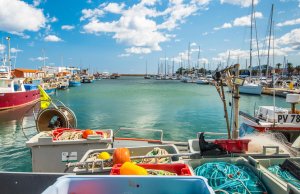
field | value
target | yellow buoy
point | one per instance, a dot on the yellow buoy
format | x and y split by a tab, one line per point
104	156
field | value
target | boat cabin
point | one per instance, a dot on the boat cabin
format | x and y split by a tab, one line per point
11	85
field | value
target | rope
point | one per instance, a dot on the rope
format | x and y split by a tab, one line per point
230	178
156	152
285	175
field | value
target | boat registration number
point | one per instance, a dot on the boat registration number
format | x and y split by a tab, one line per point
290	118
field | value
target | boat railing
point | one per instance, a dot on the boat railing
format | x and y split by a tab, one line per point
101	163
138	130
210	133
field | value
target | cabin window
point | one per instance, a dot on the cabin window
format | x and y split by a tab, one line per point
5	83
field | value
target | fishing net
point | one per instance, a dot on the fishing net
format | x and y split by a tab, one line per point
229	178
259	140
285	175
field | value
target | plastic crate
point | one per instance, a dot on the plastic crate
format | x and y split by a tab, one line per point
233	145
134	151
178	168
100	133
278	184
130	185
50	155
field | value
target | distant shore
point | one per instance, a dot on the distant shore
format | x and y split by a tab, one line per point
132	74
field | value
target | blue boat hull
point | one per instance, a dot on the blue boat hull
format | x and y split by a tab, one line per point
74	83
50	91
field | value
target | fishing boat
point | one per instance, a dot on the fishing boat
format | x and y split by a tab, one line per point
74	81
12	91
275	119
87	79
202	80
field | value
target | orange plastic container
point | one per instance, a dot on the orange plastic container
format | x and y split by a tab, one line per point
178	168
233	145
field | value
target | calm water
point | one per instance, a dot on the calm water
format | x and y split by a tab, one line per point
179	109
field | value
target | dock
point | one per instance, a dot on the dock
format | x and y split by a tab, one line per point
279	92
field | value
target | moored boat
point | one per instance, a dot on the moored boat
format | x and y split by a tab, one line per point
276	119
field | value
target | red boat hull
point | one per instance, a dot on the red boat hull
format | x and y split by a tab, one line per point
18	99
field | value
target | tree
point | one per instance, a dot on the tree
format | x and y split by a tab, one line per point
278	65
290	68
298	69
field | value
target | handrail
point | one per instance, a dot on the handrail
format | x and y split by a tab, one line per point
100	161
210	133
139	130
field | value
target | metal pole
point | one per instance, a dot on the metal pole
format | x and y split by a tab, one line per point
225	110
8	44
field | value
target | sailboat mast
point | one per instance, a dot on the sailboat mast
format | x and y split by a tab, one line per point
173	67
270	34
251	26
189	56
198	65
146	69
44	59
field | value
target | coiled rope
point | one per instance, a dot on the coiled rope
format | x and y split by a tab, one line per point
285	175
229	178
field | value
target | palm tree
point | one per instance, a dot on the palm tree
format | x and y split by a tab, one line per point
290	68
298	69
278	65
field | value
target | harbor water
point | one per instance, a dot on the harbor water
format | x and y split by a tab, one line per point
180	109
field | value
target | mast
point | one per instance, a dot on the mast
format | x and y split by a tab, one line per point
146	69
189	56
173	67
165	65
198	62
251	26
8	56
44	59
270	34
236	98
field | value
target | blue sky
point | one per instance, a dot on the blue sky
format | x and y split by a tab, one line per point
120	36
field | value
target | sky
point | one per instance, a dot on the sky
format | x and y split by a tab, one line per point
124	36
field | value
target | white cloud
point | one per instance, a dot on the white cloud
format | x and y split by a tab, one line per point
292	38
124	55
67	27
2	47
114	8
242	3
39	59
138	50
53	19
225	25
289	23
246	20
15	50
36	3
91	14
193	44
241	21
17	16
52	38
137	26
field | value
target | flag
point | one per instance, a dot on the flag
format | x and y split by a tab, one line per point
45	98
